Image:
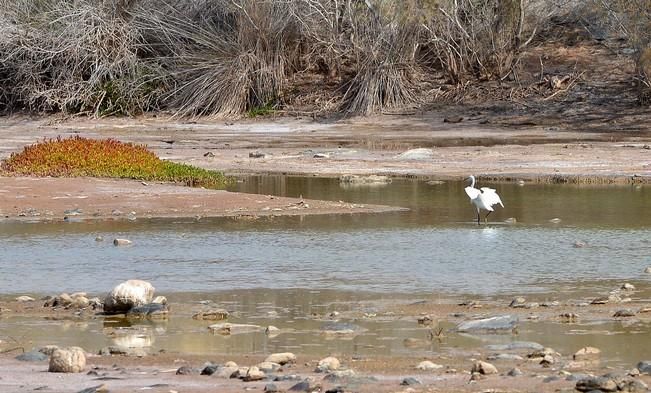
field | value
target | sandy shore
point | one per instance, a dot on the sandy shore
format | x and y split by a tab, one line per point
482	144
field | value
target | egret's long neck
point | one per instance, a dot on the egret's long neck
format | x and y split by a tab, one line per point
472	184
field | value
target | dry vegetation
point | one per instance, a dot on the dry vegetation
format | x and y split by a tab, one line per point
231	58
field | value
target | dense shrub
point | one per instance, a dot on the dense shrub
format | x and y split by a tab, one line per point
76	156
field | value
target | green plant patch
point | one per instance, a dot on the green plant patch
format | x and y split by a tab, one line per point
77	156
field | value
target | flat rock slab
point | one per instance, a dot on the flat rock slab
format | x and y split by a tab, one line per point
46	199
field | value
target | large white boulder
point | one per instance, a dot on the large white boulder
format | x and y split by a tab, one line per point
127	295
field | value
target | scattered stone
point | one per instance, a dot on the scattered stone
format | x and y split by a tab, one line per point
149	311
602	384
327	365
336	389
321	155
569	317
209	369
127	295
518	302
484	368
307	385
600	300
410	381
95	389
268	367
624	313
514	372
67	360
227	329
425	320
212	315
453	119
551	378
494	324
340	376
648	270
209	154
587	353
185	370
272	331
580	244
160	300
99	239
271	388
281	358
254	374
32	356
426	365
555	220
644	367
226	372
257	154
416	154
547	361
230	364
122	242
554	303
628	287
24	299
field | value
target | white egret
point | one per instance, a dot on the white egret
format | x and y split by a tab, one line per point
484	198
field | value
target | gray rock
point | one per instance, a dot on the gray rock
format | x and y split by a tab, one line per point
341	376
493	324
587	353
644	367
257	154
253	374
410	381
209	369
127	295
327	364
271	388
624	313
515	346
185	370
514	372
67	360
122	242
268	367
306	385
518	302
577	377
603	384
226	372
483	368
551	378
149	311
32	356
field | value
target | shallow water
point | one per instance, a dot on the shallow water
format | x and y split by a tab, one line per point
434	247
346	263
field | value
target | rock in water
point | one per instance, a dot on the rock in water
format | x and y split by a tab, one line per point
484	368
644	367
67	360
149	311
127	295
494	324
587	353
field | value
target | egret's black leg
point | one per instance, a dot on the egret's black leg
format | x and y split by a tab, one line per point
478	218
486	218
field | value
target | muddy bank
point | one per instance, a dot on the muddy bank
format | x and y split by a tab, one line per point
55	199
487	143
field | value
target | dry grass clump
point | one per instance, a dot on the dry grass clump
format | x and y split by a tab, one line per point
74	57
226	57
76	156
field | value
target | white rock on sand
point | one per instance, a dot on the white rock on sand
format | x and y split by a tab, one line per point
67	360
128	294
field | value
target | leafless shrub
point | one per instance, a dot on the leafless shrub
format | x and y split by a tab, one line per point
225	57
74	56
478	39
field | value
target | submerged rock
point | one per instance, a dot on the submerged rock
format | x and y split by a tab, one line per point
341	328
516	345
149	311
493	324
67	360
212	315
364	180
227	329
127	295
